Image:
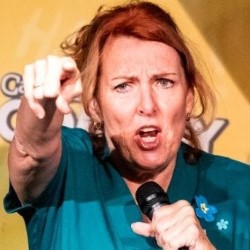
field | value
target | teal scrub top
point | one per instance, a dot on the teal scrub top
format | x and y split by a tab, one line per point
88	205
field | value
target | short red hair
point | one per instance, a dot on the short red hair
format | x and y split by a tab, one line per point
143	20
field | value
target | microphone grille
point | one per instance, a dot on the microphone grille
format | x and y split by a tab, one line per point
149	195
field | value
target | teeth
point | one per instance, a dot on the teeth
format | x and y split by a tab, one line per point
148	132
149	139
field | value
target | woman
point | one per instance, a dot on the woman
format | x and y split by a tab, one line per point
139	85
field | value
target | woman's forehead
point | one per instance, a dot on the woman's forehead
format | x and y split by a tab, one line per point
130	54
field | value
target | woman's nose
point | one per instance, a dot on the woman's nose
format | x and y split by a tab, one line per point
147	103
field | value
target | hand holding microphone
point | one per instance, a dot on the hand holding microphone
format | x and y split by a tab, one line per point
174	226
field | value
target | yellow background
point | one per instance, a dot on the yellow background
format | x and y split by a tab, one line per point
218	31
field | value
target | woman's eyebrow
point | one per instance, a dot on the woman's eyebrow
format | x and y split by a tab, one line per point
124	77
164	74
154	76
167	72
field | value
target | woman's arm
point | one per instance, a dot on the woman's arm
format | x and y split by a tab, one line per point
35	150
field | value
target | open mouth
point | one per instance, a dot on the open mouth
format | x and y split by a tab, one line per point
148	134
148	137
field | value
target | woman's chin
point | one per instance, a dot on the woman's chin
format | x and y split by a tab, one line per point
149	166
150	160
141	171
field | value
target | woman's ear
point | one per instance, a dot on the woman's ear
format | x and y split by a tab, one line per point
189	101
95	111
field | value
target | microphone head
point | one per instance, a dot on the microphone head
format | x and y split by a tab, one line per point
149	197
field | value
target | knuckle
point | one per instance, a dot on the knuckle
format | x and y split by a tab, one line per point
53	61
194	231
51	57
39	61
186	208
167	243
189	210
28	68
159	228
157	214
183	203
28	97
191	220
68	59
172	246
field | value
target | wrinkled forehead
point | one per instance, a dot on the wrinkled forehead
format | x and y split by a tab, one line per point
124	52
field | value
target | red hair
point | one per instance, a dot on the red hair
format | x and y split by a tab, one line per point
143	20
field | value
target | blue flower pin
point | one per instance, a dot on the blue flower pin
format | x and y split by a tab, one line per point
204	210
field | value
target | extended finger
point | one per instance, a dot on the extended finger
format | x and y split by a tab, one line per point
67	94
62	104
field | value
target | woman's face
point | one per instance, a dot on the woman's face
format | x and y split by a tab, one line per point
143	101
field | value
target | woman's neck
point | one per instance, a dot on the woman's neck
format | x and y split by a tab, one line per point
134	175
163	179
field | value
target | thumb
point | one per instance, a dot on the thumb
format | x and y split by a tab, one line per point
143	229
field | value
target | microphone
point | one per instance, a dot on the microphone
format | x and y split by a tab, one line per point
150	196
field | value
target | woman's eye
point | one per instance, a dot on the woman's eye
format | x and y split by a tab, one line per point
165	83
123	87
